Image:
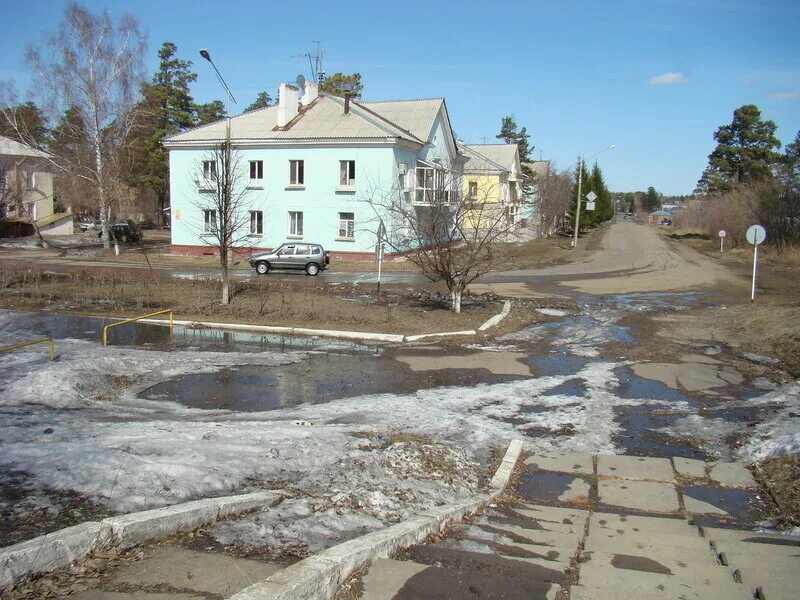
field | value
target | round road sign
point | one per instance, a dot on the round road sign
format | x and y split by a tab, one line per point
722	233
756	234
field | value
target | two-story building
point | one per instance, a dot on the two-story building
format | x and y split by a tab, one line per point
493	181
315	169
26	191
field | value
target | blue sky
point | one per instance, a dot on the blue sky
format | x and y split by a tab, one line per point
653	77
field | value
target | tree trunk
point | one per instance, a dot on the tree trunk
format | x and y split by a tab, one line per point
455	296
105	210
226	284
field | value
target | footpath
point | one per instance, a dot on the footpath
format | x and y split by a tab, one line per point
604	528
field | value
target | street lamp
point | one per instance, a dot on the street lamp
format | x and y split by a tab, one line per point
228	94
581	162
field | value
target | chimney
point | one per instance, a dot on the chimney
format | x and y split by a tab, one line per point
311	93
347	104
287	104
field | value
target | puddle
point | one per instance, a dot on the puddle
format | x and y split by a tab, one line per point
639	438
318	379
631	386
741	505
656	300
556	364
547	487
157	336
571	387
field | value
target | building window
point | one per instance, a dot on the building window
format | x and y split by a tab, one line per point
29	177
209	170
296	173
513	214
209	221
473	190
256	222
347	225
512	190
347	173
257	170
296	223
425	184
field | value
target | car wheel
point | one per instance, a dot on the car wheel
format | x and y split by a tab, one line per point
262	268
312	268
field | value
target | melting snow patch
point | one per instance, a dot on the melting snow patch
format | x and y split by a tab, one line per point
552	312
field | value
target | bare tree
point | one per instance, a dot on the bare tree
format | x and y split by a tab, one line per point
92	67
554	200
451	237
222	200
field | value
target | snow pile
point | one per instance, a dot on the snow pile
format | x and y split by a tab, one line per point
552	312
778	434
358	493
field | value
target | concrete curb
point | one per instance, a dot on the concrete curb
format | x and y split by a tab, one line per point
331	333
319	576
498	317
61	548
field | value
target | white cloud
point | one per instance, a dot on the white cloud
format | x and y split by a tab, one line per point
787	94
668	79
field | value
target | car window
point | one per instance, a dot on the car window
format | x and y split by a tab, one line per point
302	250
315	250
286	250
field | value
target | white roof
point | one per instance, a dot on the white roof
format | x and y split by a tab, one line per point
324	119
504	155
9	147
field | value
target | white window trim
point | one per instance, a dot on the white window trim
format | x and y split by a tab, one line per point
346	238
295	236
205	230
297	184
256	182
256	233
346	182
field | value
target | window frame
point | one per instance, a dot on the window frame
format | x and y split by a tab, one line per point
295	224
259	222
297	173
210	225
259	168
472	190
347	173
209	168
349	226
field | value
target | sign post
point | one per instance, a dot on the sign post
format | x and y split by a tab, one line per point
379	254
722	234
756	234
590	198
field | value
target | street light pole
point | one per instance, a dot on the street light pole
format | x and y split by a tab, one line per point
581	161
578	207
228	94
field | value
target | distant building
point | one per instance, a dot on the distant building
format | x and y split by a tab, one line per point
493	182
26	191
658	216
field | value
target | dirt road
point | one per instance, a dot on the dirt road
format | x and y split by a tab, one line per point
630	258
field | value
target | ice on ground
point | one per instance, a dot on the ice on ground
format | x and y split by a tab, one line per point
779	433
552	312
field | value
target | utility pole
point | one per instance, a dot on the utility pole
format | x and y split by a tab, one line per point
578	207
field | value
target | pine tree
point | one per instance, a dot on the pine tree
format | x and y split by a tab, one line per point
340	84
263	100
745	152
210	112
25	122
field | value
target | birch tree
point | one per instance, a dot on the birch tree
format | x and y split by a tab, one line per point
94	67
451	237
223	204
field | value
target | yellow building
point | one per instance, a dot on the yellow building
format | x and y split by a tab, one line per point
492	185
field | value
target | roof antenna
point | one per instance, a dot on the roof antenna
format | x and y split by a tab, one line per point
484	139
315	63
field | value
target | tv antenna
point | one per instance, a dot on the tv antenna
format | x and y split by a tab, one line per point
315	62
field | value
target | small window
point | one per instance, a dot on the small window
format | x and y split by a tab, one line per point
295	223
316	250
209	221
257	170
347	173
209	170
29	175
473	190
302	250
347	225
296	173
256	222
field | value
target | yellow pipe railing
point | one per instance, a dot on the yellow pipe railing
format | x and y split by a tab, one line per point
147	316
31	343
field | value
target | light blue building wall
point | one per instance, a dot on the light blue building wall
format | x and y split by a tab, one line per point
318	199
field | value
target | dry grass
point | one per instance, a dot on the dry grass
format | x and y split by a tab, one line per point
781	476
306	302
787	257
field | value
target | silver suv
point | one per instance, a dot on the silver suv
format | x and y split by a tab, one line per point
292	255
